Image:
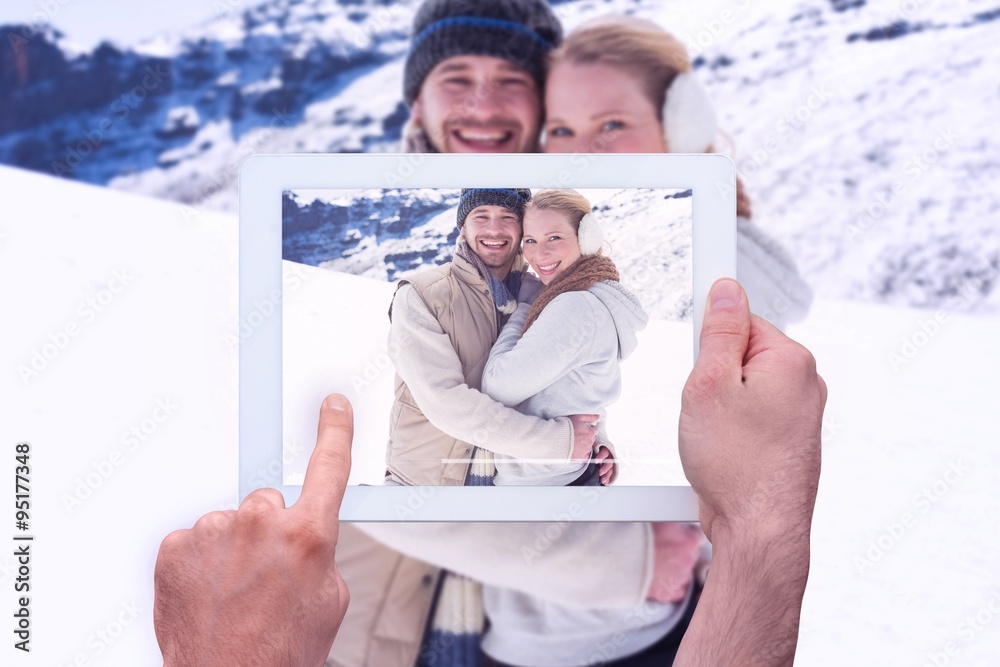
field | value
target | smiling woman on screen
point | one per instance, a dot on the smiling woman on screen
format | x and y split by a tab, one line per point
561	355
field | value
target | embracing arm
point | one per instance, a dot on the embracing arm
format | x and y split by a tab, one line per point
602	440
494	386
521	366
425	359
526	557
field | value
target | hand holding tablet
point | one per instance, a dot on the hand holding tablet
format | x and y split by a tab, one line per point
235	574
769	422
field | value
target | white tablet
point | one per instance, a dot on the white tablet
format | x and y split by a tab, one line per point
326	239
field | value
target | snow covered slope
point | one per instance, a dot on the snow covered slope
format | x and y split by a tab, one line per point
904	543
117	310
335	327
905	547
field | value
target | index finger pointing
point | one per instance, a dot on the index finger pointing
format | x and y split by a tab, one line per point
330	463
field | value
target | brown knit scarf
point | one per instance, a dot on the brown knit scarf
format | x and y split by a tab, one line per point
583	274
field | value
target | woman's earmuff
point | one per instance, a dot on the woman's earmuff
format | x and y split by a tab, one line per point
590	235
688	117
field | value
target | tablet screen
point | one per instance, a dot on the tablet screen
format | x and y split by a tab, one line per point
344	254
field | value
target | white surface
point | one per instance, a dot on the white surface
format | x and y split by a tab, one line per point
889	435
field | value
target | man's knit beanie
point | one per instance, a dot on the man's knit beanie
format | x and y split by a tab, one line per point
519	31
513	199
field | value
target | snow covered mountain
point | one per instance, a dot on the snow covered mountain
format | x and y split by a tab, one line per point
392	234
861	127
381	234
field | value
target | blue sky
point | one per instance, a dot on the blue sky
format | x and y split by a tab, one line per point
87	22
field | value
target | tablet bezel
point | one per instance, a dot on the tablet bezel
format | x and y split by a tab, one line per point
263	178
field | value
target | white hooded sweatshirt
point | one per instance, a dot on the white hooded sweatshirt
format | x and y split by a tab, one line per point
567	363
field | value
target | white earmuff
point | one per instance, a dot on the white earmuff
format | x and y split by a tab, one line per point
590	235
688	116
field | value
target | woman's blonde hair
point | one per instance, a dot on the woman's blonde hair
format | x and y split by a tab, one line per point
643	49
570	202
639	46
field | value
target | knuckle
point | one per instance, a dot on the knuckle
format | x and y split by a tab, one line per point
705	382
308	538
801	359
345	593
210	521
722	326
260	501
212	525
253	517
173	542
809	362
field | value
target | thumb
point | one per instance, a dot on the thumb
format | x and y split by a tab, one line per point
725	332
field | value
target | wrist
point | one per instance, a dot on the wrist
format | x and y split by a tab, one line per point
760	519
222	653
570	448
749	609
770	557
227	645
758	531
196	654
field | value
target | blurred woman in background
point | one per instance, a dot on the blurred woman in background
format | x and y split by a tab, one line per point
621	84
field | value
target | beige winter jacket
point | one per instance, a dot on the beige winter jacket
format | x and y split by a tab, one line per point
444	324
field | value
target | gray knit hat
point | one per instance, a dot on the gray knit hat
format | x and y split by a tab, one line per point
520	31
514	199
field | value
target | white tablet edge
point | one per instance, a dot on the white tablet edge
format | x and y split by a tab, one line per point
711	178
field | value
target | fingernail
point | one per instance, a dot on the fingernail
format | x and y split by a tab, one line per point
725	294
335	402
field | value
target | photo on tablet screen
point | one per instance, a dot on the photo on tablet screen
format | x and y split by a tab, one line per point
623	349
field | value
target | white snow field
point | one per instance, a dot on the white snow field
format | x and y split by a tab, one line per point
335	325
905	546
125	307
